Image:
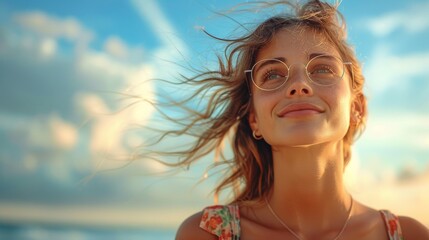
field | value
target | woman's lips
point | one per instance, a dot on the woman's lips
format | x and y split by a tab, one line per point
299	109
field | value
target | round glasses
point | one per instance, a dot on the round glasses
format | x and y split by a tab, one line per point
271	74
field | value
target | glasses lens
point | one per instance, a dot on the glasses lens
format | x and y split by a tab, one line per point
269	74
325	70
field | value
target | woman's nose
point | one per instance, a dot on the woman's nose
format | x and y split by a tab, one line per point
298	84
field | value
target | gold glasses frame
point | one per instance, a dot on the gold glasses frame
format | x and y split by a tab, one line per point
250	71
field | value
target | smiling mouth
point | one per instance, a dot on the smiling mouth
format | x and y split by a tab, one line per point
299	110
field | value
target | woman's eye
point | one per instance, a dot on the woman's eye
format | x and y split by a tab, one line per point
323	70
271	75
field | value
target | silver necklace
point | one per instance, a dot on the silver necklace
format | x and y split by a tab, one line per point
296	235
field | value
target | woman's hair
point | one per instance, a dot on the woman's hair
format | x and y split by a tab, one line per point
250	168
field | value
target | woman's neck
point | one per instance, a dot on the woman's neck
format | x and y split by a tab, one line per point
308	186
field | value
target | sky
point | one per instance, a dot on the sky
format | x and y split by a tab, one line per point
65	130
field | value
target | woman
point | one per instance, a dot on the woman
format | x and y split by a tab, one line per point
291	93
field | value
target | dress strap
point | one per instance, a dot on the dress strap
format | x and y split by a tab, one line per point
392	225
222	221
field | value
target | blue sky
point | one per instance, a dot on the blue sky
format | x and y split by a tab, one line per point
59	61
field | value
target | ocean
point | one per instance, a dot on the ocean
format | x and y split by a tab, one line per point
40	232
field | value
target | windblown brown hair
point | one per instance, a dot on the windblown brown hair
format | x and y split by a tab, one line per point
251	167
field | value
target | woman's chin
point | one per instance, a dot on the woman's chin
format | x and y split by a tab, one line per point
307	140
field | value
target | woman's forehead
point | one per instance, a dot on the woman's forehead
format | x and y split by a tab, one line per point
297	42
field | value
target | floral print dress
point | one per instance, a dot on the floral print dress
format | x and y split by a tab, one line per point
224	222
392	225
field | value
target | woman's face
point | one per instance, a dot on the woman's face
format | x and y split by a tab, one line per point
300	113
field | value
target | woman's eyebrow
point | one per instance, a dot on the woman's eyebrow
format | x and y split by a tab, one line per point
313	55
282	59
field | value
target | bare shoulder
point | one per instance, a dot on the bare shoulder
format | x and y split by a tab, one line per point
413	229
190	229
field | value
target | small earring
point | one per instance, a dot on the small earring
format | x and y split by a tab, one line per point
255	136
357	118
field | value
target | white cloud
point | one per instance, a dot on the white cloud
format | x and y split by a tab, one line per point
407	198
411	20
150	12
91	105
172	46
390	129
50	132
64	134
108	125
48	47
116	47
103	67
403	196
50	26
44	142
106	129
116	68
107	70
112	71
386	70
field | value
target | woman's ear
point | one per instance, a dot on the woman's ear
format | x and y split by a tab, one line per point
358	109
252	120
